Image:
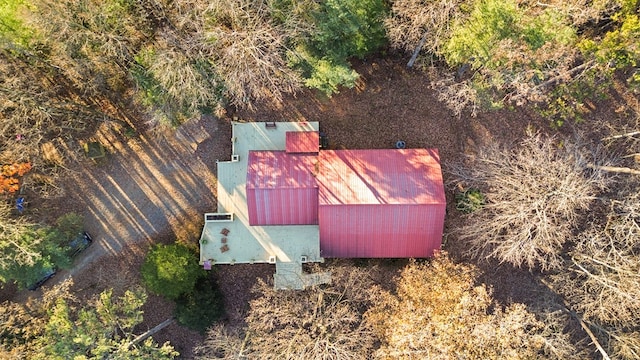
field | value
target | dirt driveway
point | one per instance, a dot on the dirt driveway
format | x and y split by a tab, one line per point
148	187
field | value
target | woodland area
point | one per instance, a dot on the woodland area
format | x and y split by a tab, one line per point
558	205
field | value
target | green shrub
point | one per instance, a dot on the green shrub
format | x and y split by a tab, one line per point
12	26
498	31
348	28
469	200
619	47
199	309
475	39
327	76
151	93
512	49
171	270
546	27
70	225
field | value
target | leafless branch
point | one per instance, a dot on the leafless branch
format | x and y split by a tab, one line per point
534	196
323	322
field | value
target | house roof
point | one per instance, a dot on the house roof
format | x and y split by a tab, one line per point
380	231
384	176
302	141
380	203
278	170
282	188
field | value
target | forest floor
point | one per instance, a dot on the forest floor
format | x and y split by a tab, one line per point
155	187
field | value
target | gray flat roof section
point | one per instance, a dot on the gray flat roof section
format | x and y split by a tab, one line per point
256	244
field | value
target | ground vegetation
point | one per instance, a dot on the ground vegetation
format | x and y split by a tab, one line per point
439	311
323	322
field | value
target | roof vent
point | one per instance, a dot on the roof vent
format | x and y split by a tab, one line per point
272	259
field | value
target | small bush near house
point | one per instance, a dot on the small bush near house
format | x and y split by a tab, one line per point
171	270
469	200
199	309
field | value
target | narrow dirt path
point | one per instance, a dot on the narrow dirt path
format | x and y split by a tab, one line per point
147	189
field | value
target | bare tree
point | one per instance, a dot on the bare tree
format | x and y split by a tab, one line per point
222	343
534	192
188	83
92	41
458	96
440	312
319	323
624	344
605	264
412	20
323	322
602	280
249	50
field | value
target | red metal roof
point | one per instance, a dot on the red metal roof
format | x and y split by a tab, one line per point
283	206
368	203
302	141
281	188
385	176
380	203
277	169
380	231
